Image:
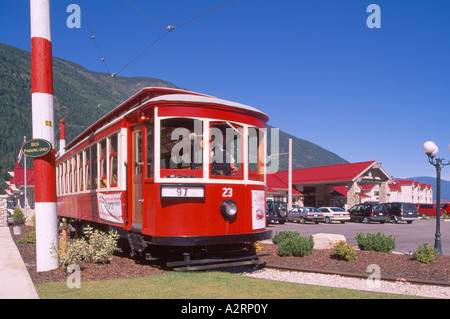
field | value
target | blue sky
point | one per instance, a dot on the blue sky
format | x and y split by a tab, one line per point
313	66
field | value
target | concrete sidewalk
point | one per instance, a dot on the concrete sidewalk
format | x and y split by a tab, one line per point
15	281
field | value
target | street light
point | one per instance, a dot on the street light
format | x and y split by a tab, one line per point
431	150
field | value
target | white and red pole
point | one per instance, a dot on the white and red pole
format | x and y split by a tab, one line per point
62	137
42	113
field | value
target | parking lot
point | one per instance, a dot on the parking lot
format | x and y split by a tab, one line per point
408	236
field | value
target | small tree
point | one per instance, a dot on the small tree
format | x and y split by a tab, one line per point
18	216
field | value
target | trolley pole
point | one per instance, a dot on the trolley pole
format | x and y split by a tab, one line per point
42	114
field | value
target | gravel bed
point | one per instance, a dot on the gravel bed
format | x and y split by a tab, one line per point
400	287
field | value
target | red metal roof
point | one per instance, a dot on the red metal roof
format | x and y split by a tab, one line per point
273	181
323	174
340	191
274	184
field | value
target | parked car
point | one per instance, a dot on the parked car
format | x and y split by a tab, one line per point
304	214
446	207
334	213
367	212
399	211
276	211
428	210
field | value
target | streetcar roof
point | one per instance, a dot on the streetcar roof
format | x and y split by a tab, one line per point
204	99
157	94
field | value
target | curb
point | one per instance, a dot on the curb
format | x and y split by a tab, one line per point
360	276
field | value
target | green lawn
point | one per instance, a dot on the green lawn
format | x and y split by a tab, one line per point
199	285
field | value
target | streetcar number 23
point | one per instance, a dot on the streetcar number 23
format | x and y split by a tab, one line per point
227	192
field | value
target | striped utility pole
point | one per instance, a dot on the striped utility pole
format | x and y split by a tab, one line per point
42	113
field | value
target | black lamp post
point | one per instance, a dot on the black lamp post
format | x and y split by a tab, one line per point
431	150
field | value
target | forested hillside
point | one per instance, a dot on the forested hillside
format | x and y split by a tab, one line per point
81	97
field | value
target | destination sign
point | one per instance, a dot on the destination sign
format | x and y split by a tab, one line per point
182	191
36	148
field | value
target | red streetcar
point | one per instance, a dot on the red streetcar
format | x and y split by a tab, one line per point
176	173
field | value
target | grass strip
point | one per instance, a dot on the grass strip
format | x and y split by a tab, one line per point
200	285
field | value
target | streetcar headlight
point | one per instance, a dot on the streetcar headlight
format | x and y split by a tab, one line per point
228	208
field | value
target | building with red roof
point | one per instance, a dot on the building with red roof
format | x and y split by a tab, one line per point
16	186
345	185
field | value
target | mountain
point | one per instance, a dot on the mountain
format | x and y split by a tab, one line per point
445	185
81	97
304	154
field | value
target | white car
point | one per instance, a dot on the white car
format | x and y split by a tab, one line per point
334	213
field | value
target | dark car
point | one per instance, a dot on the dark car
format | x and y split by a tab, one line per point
399	211
276	211
367	212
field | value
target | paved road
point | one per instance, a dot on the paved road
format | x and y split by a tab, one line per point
407	236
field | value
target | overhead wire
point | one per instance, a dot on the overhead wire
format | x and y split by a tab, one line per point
136	57
169	28
95	40
223	5
145	13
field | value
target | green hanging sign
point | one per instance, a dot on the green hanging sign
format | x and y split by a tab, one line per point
36	148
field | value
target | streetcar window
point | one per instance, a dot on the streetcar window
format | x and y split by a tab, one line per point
150	150
58	179
103	163
64	171
181	148
113	153
75	173
94	166
87	160
256	152
138	152
68	173
226	149
80	171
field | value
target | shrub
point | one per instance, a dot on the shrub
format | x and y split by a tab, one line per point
425	253
296	246
101	246
345	251
75	251
378	242
18	216
97	247
30	238
279	237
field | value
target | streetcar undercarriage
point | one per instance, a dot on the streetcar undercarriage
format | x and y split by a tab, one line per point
186	253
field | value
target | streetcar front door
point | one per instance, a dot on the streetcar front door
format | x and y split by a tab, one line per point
137	172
